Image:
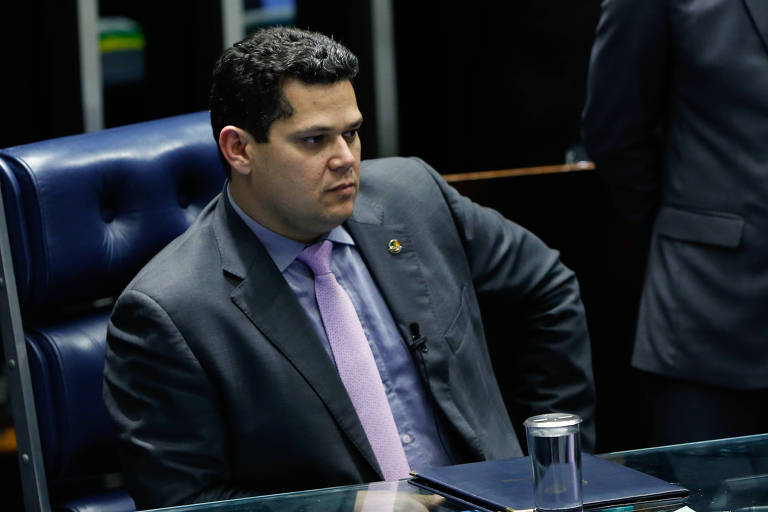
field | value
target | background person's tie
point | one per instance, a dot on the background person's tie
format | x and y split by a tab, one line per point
355	362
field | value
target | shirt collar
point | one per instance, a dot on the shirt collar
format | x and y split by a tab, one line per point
283	250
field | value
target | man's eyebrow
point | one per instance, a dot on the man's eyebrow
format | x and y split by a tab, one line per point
324	128
357	123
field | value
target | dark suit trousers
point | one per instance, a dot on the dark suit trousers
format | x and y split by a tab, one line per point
684	411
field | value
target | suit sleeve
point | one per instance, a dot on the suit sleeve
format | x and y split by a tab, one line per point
626	97
173	444
552	363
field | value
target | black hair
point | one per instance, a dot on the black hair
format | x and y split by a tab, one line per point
247	79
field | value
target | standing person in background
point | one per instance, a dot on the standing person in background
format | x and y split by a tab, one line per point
676	120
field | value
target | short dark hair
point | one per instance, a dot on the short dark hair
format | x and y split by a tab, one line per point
247	79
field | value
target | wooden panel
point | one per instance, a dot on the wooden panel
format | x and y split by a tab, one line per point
523	171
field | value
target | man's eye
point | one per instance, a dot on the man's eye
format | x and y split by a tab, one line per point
312	140
350	135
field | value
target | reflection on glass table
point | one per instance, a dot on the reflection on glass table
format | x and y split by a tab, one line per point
722	475
377	496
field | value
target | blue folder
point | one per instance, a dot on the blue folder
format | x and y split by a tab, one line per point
507	484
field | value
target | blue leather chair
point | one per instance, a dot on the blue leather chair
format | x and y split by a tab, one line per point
82	214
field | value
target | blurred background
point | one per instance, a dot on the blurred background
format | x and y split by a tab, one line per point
467	86
501	82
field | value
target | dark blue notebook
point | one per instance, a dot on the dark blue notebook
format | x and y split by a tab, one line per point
507	484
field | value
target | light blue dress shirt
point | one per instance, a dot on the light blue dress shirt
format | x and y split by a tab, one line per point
411	406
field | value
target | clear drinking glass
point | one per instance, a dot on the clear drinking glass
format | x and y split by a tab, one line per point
554	447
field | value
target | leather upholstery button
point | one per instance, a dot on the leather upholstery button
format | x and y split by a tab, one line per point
108	214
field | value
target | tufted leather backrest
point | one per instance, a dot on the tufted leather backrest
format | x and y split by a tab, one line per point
75	431
84	214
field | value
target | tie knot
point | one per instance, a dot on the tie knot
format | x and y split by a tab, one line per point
317	257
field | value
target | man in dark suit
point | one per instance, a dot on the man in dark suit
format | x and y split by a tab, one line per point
676	120
223	374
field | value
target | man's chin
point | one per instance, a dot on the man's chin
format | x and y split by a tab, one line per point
338	220
341	212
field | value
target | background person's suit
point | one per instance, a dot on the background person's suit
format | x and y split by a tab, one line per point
220	387
677	122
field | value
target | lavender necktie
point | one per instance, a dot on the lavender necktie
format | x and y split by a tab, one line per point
355	362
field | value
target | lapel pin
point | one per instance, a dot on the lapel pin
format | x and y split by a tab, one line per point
394	246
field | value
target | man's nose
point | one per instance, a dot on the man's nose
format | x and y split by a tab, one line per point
343	157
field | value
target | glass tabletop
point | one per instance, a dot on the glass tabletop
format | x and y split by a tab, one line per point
397	496
723	475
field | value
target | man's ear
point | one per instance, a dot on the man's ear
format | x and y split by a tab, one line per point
233	142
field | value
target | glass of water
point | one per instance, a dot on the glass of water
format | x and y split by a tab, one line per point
554	446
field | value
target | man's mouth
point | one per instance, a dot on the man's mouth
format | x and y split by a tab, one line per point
343	187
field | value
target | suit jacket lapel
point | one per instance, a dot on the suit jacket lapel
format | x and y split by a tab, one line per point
398	276
267	300
403	285
758	11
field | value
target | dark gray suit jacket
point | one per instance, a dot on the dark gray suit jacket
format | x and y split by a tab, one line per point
220	387
677	122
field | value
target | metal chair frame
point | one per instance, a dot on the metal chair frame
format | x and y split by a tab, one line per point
19	382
